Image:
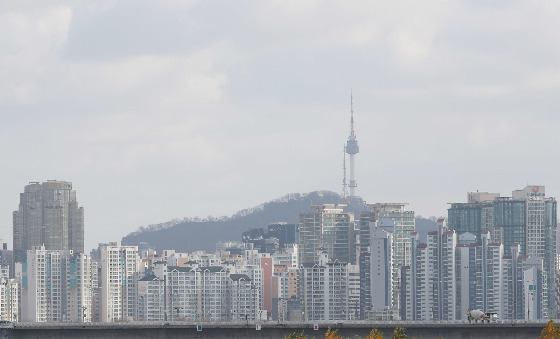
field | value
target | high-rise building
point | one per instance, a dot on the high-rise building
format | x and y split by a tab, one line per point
393	218
284	232
151	299
58	286
446	278
49	216
119	268
10	291
241	297
325	289
7	259
527	218
380	269
329	229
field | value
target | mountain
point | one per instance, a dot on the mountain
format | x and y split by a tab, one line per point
423	226
192	234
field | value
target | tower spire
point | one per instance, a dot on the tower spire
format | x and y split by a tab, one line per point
352	149
352	133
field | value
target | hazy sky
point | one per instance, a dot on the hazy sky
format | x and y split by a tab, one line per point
164	109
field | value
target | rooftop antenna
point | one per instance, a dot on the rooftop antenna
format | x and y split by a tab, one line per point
344	184
352	149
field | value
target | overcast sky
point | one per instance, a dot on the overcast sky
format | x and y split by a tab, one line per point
166	109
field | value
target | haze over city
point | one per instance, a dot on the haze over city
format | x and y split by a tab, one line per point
171	109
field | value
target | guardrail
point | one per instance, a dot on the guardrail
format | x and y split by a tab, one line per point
291	324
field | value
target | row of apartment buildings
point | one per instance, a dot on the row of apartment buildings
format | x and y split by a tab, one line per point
451	274
512	237
341	268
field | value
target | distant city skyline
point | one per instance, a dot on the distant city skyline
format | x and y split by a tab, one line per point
168	109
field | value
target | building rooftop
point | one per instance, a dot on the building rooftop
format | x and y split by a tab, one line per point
237	277
149	278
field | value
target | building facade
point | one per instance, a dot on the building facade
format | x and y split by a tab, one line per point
393	218
327	228
527	218
447	278
325	290
48	215
119	268
57	286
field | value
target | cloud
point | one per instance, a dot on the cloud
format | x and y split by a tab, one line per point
30	42
208	107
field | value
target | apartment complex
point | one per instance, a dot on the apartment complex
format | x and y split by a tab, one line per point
446	278
58	286
527	218
325	289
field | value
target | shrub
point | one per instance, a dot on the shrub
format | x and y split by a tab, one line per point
399	333
332	334
551	331
294	335
375	334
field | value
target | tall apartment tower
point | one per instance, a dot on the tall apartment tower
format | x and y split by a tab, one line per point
393	218
527	218
329	229
325	289
119	274
381	286
446	278
57	286
48	215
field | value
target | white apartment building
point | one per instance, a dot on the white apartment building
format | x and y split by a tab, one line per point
44	286
183	292
77	287
256	274
288	257
58	286
446	279
325	290
243	298
10	290
151	294
119	275
353	292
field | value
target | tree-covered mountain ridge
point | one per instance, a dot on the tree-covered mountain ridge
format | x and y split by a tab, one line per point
195	233
239	214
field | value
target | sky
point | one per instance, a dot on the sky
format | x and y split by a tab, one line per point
166	109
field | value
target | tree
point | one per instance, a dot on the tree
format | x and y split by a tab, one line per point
294	335
399	333
332	334
375	334
551	331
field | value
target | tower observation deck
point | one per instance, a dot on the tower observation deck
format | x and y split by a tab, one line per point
352	149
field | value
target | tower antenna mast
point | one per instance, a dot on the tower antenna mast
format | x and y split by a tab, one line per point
352	149
344	184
